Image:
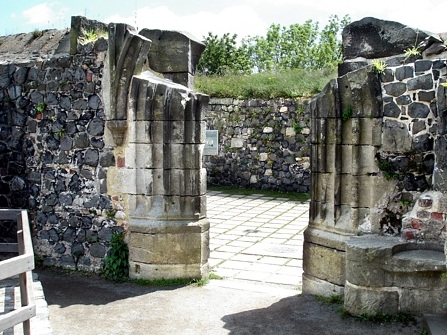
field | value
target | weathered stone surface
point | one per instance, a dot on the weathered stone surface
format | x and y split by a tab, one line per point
395	137
166	271
173	51
374	38
324	263
367	300
404	72
360	91
428	96
165	248
395	89
391	110
351	65
423	82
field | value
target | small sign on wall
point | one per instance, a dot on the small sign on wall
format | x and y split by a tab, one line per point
211	143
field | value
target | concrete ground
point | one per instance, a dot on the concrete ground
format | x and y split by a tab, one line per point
256	246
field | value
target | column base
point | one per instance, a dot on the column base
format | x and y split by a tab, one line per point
168	249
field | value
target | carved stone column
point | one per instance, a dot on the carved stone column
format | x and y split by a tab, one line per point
158	128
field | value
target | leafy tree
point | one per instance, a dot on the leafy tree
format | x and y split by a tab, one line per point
299	46
222	56
329	48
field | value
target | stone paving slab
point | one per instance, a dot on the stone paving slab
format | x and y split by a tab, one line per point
262	244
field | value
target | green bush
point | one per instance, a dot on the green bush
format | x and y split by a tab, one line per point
116	265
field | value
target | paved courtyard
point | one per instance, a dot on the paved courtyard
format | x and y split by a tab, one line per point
257	238
256	245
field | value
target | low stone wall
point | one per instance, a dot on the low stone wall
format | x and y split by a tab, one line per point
263	144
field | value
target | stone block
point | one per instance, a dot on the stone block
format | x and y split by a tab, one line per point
362	131
370	300
367	131
183	156
323	158
168	249
173	51
182	78
157	131
345	159
324	263
326	238
237	142
322	213
428	300
347	219
364	161
139	270
326	103
325	131
315	286
413	280
121	180
324	187
166	207
143	156
188	182
395	137
365	38
145	226
197	107
365	256
140	101
160	248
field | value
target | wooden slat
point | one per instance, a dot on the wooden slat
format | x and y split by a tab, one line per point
21	265
26	297
13	266
9	214
9	247
28	241
17	316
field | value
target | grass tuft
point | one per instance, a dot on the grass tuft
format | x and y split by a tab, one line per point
332	299
301	197
291	83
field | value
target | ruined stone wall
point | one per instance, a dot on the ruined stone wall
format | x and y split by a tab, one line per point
263	144
53	158
378	172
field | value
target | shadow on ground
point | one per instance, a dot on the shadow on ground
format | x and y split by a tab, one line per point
302	314
66	288
87	304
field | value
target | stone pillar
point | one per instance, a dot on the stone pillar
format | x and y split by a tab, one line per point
158	128
345	186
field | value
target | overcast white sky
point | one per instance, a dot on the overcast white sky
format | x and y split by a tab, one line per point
198	17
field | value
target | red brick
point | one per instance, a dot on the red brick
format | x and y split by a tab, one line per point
416	224
437	216
120	162
89	76
408	234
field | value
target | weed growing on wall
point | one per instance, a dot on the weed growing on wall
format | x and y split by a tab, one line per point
347	113
116	265
90	36
379	66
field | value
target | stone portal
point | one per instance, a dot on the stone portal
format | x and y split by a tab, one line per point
158	127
